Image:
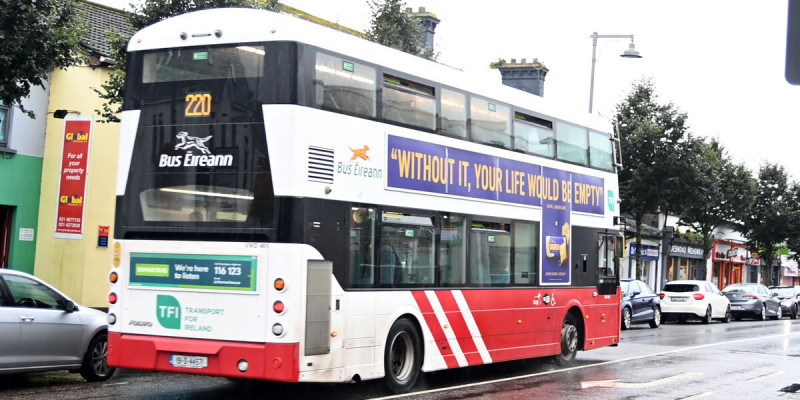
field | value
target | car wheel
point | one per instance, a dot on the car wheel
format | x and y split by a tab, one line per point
626	318
707	317
778	314
727	317
402	359
793	314
95	362
763	315
569	342
656	321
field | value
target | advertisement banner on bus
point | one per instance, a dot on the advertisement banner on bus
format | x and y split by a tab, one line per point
193	271
433	168
556	227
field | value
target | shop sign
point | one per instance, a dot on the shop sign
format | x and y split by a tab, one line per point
649	253
684	250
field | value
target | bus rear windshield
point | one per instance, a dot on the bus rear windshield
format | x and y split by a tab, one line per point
203	63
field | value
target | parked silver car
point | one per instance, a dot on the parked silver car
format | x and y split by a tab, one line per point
752	299
41	329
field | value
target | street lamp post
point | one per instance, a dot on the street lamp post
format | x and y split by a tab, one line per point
630	53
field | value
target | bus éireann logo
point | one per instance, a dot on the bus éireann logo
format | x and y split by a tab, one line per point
198	144
187	142
168	311
360	153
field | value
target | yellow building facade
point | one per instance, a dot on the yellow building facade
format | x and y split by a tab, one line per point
78	267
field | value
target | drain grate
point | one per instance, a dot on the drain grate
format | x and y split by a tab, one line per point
793	388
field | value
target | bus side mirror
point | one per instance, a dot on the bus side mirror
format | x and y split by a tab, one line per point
619	247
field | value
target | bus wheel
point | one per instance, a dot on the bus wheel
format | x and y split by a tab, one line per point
569	342
402	359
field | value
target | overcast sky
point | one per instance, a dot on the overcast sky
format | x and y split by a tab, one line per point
720	61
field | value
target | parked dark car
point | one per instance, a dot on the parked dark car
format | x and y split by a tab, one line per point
752	299
41	329
639	304
789	297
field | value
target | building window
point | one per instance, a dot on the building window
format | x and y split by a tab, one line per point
4	114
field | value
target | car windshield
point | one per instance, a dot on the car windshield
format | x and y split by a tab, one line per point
784	292
681	287
739	289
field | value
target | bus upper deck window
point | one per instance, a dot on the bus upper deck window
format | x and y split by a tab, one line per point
346	86
454	113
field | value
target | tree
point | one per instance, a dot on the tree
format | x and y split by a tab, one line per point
655	149
722	192
38	36
392	26
771	215
148	13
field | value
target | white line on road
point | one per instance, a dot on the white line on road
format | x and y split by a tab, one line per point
639	385
697	396
514	378
758	378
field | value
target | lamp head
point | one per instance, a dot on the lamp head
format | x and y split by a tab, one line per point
631	52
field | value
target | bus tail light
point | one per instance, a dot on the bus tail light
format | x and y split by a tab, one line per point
278	307
699	296
280	284
113	277
243	365
112	298
277	330
112	319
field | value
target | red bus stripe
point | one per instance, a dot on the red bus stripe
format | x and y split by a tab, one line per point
459	327
436	330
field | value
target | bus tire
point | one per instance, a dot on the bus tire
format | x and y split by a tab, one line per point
402	358
569	342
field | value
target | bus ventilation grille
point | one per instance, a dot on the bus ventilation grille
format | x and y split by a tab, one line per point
320	164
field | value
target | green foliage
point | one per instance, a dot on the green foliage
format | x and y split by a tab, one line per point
655	147
722	191
392	26
773	215
148	13
38	36
497	64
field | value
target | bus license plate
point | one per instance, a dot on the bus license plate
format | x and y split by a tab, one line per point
188	361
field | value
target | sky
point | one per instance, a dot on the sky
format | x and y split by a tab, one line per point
719	61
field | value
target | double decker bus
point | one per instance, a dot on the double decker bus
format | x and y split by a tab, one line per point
298	204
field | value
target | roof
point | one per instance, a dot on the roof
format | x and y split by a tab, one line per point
100	20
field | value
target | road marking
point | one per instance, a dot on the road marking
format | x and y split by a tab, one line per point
115	384
538	374
697	396
639	385
758	378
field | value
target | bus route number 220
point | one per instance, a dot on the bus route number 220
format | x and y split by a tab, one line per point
198	105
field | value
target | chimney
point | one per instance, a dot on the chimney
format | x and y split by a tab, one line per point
428	21
524	76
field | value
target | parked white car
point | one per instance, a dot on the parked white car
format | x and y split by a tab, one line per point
682	300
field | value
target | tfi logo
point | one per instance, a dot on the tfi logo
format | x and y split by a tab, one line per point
168	311
612	201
